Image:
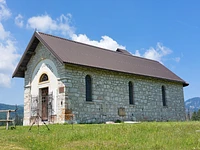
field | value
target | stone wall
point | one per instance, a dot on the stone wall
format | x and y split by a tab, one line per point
110	92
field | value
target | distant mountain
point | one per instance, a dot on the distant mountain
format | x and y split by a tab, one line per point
18	115
192	104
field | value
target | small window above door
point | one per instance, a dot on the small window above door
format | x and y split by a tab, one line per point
44	77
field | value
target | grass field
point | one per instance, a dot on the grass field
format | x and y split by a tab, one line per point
146	135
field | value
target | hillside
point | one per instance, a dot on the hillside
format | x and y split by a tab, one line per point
192	104
18	115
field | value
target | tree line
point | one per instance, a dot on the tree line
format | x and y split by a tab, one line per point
196	116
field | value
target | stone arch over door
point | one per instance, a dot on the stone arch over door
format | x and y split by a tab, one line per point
50	67
45	76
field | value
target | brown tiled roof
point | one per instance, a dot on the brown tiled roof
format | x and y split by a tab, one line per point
68	51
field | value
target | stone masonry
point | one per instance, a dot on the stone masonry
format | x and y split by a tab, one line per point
110	92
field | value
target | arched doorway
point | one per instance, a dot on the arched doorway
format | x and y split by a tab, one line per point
44	96
44	99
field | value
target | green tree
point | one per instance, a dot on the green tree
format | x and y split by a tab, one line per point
194	116
198	115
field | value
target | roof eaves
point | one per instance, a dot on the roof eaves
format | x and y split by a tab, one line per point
23	57
185	84
18	72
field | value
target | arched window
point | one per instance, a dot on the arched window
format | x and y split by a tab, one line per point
44	77
88	86
164	96
130	86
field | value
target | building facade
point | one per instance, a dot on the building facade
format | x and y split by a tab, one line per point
59	91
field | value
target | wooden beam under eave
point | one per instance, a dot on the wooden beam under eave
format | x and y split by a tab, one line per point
30	53
23	68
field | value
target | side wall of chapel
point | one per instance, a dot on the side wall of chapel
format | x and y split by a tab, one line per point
110	94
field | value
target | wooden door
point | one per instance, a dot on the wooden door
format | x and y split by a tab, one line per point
44	92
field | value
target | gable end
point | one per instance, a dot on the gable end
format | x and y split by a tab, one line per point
29	52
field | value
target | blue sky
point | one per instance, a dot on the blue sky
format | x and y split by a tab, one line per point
166	31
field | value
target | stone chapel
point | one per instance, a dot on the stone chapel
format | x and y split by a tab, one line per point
67	80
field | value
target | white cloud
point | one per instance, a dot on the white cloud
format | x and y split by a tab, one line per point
157	53
62	25
8	61
105	41
3	34
137	53
5	80
45	23
19	20
4	11
9	56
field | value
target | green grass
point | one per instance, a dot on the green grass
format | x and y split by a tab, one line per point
147	135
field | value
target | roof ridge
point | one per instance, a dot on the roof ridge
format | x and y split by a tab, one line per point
109	50
76	42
